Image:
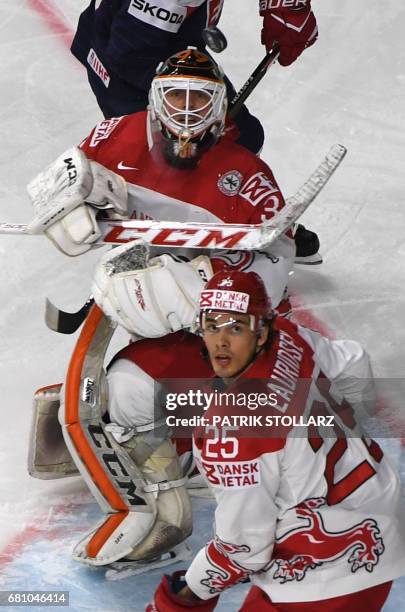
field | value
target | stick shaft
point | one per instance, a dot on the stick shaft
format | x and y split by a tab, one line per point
252	82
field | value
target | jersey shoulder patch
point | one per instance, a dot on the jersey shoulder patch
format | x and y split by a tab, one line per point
229	183
103	130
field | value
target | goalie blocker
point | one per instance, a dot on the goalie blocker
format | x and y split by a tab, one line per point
66	197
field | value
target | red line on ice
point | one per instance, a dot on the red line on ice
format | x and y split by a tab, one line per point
53	19
53	530
305	317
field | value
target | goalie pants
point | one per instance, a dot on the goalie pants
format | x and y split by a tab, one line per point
370	600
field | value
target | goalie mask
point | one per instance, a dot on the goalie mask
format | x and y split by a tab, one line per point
187	105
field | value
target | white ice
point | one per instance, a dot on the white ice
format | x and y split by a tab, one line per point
348	88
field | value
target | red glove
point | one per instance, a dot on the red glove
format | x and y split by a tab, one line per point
167	600
291	23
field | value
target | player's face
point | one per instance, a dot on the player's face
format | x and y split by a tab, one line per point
196	103
230	342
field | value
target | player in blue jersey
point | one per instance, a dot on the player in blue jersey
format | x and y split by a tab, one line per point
121	42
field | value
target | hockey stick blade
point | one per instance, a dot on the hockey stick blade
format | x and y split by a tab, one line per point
297	204
167	234
65	322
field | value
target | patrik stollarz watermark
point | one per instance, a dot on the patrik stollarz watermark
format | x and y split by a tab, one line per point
259	413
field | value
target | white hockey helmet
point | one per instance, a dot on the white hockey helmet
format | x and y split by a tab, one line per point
188	104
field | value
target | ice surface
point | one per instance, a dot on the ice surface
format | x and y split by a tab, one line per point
348	88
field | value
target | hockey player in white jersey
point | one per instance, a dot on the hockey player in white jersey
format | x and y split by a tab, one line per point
315	522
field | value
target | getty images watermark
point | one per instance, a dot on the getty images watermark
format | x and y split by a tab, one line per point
262	413
273	407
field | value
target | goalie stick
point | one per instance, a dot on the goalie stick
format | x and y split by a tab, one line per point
68	322
236	236
65	322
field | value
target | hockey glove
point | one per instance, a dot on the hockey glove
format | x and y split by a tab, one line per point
292	24
151	298
67	195
167	600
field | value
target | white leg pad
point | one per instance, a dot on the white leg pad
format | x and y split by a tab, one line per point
121	541
145	531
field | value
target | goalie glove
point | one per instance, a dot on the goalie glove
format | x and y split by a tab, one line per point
148	298
166	598
290	23
66	197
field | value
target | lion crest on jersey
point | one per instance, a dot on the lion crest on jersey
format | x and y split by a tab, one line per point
225	570
362	542
230	182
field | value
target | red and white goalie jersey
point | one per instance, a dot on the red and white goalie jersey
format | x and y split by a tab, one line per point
229	185
306	515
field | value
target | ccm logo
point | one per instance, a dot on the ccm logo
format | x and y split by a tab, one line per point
123	482
71	170
192	238
154	11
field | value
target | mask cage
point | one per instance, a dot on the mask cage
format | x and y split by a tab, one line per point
194	119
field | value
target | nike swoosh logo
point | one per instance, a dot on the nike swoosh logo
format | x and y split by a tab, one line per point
122	166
